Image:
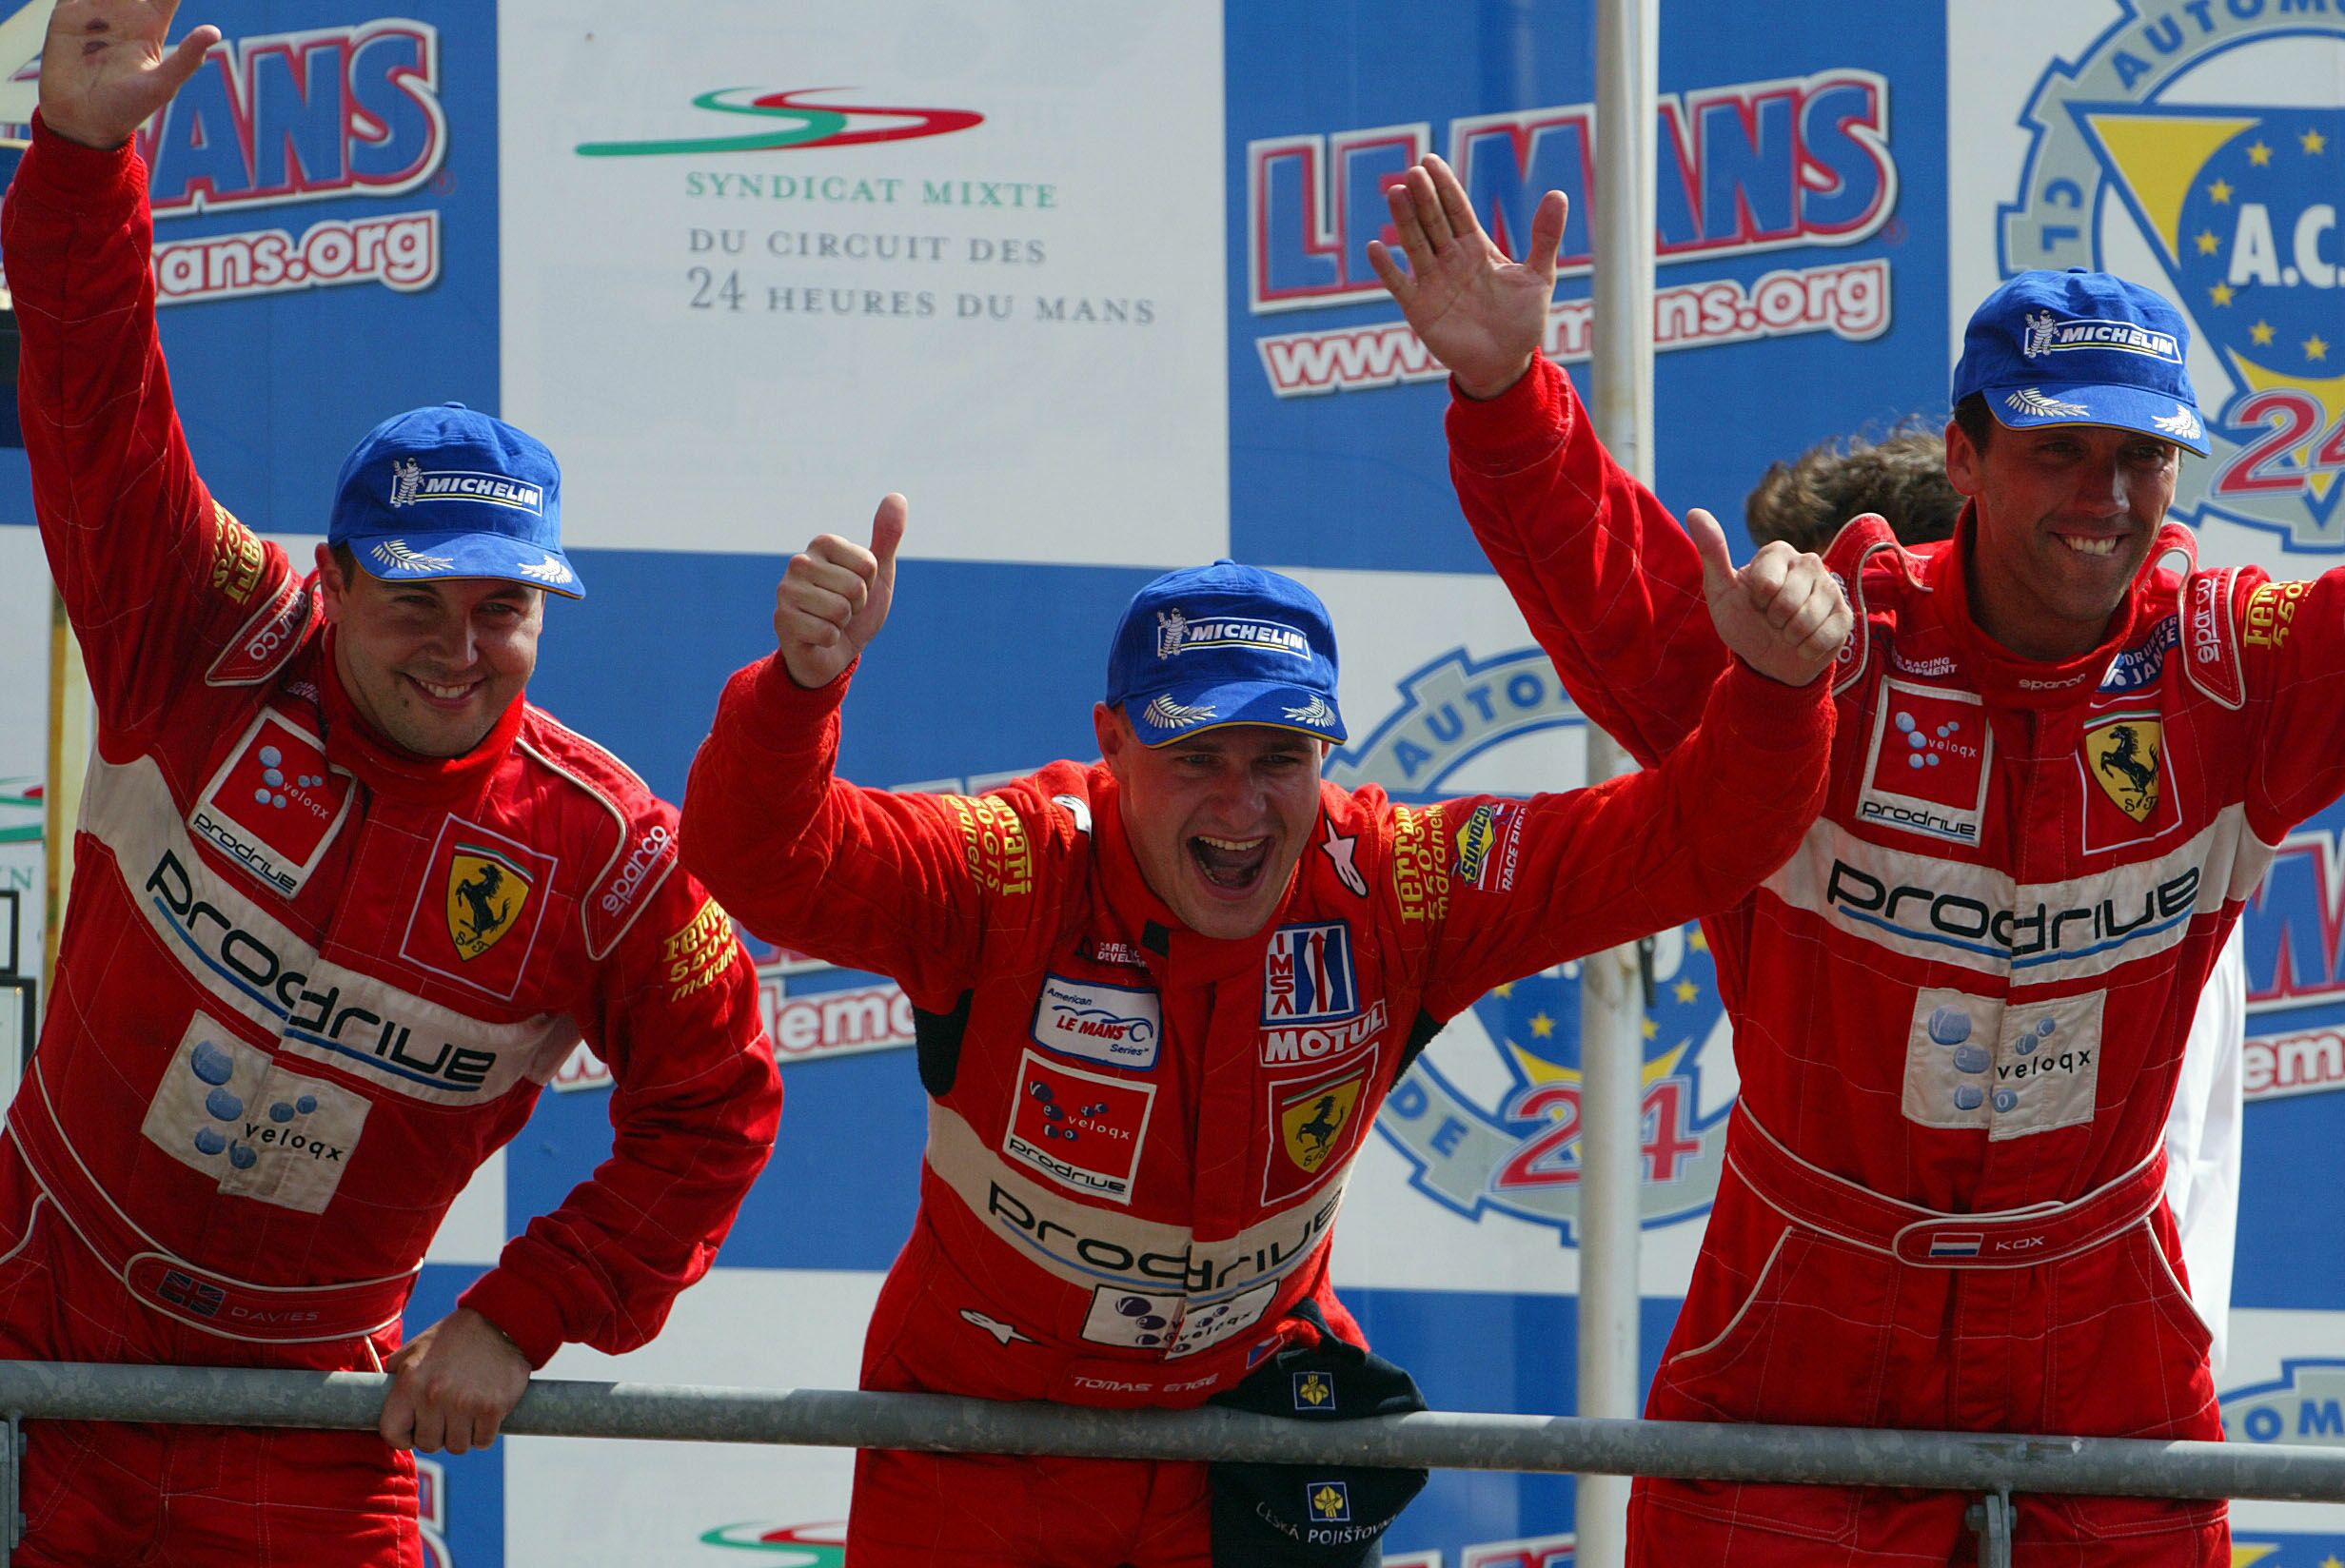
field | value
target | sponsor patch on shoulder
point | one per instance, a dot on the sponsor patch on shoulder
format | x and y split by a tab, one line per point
2215	665
2271	612
1478	853
1120	1025
236	557
263	642
1420	862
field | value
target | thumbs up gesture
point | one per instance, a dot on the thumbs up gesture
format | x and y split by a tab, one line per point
1783	614
834	597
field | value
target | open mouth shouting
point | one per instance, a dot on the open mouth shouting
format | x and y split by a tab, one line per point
1232	867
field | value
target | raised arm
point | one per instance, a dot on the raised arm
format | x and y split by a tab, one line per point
1610	584
895	884
1544	880
158	579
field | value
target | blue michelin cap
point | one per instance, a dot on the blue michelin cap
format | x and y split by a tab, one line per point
1211	646
447	492
2081	347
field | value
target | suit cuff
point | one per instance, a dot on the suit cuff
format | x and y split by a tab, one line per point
67	177
528	1316
763	710
1767	715
1519	428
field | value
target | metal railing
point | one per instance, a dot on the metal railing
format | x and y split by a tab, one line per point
1992	1464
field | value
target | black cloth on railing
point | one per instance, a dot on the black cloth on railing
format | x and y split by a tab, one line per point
1313	1516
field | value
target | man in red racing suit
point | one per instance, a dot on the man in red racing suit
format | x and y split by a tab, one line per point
1161	997
309	981
2065	756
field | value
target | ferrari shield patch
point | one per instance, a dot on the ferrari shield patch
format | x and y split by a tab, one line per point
2123	757
1311	1121
486	891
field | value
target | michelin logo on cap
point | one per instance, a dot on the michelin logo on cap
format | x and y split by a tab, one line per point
411	483
2044	334
1177	633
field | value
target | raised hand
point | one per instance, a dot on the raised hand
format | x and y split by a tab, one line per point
1783	614
105	72
834	597
1480	314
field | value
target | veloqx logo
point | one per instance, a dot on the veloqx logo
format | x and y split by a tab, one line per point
1517	1150
792	124
2238	201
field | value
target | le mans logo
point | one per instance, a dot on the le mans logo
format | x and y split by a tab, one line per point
2209	137
1490	1115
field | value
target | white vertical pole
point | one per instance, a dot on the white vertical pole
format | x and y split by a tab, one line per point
1611	1002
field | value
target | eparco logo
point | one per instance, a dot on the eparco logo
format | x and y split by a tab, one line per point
793	125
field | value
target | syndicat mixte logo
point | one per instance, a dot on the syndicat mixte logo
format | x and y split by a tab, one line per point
784	1545
792	124
2238	201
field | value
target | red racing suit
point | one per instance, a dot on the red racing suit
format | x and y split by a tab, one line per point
1959	1011
1139	1136
307	982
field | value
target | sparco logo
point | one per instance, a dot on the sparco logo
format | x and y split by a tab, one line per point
1941	916
316	1017
649	852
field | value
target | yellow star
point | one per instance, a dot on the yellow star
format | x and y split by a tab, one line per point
2259	155
1686	990
2316	347
2219	192
2208	244
2314	143
2222	293
1542	1026
2331	1561
1699	941
1506	990
2261	332
1652	1031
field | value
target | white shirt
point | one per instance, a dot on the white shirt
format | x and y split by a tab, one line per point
2202	1142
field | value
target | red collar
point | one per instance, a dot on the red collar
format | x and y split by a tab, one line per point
1995	670
389	768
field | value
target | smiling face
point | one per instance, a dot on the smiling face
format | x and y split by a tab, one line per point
2067	516
431	665
1217	821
